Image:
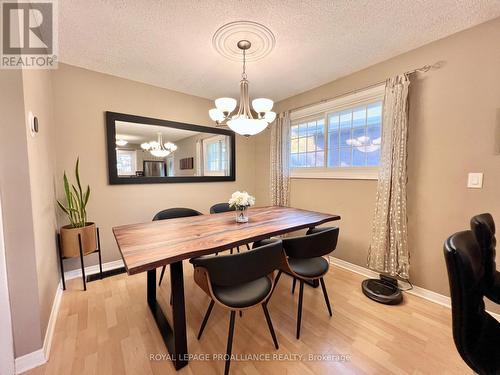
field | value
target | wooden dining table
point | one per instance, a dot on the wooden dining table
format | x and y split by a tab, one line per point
145	247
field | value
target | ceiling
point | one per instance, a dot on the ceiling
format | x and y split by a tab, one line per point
138	133
168	43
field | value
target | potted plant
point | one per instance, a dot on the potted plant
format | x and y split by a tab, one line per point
241	201
76	211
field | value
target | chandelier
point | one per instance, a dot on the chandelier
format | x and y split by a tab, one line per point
158	148
243	122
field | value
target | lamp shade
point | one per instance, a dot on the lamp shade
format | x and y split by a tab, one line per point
159	153
216	115
225	104
262	105
245	126
270	116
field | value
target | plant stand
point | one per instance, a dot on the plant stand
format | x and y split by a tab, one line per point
62	258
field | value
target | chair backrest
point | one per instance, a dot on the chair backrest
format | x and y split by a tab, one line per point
317	242
483	227
173	213
463	257
221	207
228	270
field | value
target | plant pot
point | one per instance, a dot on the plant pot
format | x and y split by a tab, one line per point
69	240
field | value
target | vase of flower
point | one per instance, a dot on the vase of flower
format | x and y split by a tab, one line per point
241	201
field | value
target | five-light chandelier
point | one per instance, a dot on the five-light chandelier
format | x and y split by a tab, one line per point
243	121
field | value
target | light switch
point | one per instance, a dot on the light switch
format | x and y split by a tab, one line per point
475	180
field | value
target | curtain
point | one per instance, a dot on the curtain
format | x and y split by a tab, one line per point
280	166
388	251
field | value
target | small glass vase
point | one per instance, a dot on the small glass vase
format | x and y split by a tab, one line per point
242	214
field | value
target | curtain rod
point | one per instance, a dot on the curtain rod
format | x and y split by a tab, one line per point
422	69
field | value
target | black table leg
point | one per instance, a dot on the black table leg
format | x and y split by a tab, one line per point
174	337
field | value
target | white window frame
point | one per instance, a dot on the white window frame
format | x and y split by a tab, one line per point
206	142
133	154
323	109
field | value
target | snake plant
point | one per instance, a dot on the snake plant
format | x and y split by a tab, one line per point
76	200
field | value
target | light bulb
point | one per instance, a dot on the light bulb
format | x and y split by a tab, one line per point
225	104
216	115
270	116
262	105
145	146
121	142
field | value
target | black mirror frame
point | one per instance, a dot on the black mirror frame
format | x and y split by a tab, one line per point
113	177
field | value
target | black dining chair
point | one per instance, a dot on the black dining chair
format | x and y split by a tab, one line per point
174	213
238	282
475	332
305	261
483	227
224	207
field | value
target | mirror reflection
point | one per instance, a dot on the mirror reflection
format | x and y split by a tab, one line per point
145	150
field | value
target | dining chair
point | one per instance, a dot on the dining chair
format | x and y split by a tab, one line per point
483	227
174	213
305	261
238	282
475	332
224	207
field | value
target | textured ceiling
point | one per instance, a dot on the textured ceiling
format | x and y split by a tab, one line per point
168	43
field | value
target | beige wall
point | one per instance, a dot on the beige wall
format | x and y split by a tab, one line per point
42	161
15	193
81	98
454	121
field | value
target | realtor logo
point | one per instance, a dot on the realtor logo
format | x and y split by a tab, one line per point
29	34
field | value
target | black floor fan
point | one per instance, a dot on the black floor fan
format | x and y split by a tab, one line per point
384	290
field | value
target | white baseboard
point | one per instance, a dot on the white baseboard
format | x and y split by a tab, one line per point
29	361
417	291
41	356
91	270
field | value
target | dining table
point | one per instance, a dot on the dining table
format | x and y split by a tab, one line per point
146	246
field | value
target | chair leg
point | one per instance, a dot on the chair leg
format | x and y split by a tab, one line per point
205	319
325	294
274	285
299	311
238	249
231	251
230	342
270	325
248	246
293	285
162	274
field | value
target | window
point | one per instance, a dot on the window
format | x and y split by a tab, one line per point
215	155
307	144
126	161
339	138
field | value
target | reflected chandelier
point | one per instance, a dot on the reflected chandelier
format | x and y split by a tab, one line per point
158	148
243	122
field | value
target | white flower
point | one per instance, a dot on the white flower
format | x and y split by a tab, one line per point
241	199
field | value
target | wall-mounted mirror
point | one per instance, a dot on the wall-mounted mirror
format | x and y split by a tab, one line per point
144	150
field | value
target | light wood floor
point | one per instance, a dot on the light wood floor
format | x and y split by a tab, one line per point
109	330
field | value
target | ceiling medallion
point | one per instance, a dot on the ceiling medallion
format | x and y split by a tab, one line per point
226	38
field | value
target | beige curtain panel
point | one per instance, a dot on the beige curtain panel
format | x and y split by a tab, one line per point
388	251
280	166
